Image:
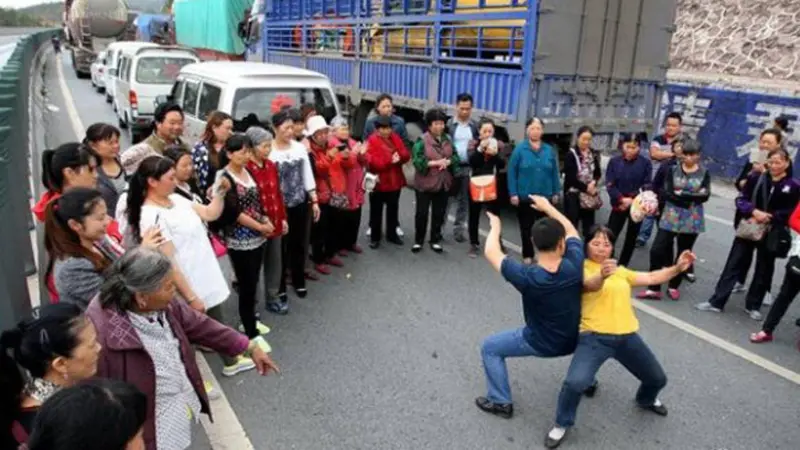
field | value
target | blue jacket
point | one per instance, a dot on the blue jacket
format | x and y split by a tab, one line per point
626	178
398	126
533	173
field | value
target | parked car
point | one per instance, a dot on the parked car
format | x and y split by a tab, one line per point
143	75
248	91
98	72
112	65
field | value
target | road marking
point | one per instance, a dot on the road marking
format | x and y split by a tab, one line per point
226	432
719	220
686	327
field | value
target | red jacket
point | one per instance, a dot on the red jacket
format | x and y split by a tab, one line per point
269	187
379	161
123	356
354	173
331	174
794	219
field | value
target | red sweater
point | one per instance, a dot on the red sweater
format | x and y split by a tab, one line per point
269	188
794	219
379	161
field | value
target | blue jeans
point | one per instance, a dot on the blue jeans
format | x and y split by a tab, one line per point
593	350
647	229
494	351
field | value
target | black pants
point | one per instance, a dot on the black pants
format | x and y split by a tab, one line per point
789	290
616	221
582	219
294	249
377	200
326	234
435	204
475	217
247	265
661	254
351	224
527	216
741	251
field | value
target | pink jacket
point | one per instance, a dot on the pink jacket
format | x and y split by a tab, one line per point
123	356
355	174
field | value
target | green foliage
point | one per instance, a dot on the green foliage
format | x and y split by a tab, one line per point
16	18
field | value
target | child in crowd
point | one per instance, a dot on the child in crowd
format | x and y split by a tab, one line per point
267	178
354	153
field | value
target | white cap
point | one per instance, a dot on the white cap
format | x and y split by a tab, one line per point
314	124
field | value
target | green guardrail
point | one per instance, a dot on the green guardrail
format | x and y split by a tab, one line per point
16	252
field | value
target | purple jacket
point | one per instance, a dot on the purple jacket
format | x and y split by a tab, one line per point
123	356
784	198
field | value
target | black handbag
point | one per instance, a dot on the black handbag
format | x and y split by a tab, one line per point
779	241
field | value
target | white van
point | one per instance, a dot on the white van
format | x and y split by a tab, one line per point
113	52
243	89
144	74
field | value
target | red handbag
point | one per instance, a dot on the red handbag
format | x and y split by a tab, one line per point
219	248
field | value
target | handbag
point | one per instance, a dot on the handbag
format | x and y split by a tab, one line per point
779	241
793	265
590	201
338	201
369	182
483	188
219	248
749	229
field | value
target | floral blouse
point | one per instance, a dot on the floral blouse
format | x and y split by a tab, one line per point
203	169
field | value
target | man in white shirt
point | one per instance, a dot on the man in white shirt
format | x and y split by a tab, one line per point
462	129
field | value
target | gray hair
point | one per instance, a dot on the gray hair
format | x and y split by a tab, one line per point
259	135
339	121
139	271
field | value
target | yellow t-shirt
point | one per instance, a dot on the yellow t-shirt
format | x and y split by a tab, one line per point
609	310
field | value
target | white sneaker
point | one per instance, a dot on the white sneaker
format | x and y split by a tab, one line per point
768	300
400	232
242	365
755	315
738	288
369	231
706	306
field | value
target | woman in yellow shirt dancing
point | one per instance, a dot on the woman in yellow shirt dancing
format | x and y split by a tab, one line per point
609	329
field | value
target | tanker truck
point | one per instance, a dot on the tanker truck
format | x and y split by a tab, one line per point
90	25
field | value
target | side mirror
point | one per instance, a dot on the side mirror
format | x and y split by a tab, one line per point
161	99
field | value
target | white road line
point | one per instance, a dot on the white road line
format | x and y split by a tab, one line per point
686	327
719	220
226	432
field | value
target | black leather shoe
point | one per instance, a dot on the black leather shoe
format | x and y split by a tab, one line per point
504	411
661	409
591	390
395	240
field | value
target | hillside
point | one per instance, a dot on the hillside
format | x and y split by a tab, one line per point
47	13
16	18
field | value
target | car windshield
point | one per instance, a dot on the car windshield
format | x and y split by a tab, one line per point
259	104
160	69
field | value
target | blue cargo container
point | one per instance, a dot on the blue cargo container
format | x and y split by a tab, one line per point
570	62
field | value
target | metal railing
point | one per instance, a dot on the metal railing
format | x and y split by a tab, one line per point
17	261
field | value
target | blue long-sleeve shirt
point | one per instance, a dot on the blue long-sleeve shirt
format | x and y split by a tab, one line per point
625	178
533	172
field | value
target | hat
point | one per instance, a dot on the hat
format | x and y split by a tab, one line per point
314	124
383	121
258	135
132	157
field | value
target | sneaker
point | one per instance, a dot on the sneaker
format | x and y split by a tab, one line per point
690	277
761	337
301	292
754	314
416	248
279	308
437	248
211	393
739	288
768	300
336	262
592	390
555	437
486	405
649	295
674	294
706	306
357	249
657	408
374	245
282	297
397	240
473	251
262	344
369	231
262	329
242	365
400	231
323	269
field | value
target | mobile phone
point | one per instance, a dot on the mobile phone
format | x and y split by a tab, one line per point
342	147
158	217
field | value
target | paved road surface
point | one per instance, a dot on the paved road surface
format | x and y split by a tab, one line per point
384	355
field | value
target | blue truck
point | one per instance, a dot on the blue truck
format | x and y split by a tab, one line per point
601	63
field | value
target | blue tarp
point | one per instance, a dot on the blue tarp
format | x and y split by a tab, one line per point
150	25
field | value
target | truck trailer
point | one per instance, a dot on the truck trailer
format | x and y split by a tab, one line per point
568	62
90	25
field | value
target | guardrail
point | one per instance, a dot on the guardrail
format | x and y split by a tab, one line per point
17	76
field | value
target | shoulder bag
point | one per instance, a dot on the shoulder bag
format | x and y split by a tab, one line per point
749	229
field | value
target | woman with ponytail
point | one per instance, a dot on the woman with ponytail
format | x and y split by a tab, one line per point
70	165
102	140
56	348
